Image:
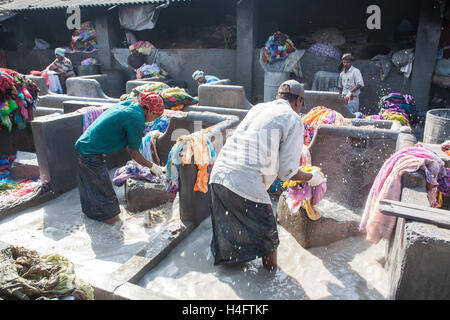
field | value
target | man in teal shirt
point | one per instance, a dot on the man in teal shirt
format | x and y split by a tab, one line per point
121	126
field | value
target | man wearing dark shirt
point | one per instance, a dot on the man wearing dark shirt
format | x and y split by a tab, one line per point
135	61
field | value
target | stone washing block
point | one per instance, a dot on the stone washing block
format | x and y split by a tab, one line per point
419	266
25	166
331	227
143	195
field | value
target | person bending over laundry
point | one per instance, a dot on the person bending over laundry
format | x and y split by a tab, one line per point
266	144
121	126
62	65
350	83
201	78
135	61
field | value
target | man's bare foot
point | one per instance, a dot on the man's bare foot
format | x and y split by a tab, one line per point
112	220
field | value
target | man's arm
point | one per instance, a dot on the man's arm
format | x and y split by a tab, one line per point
129	65
137	156
358	86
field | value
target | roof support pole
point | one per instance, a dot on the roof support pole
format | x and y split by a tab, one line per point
246	40
427	45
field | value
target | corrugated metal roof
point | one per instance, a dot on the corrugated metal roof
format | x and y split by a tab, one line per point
21	5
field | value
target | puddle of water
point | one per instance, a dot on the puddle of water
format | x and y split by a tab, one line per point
348	269
59	226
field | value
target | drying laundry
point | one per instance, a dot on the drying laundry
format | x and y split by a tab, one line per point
278	47
318	116
133	170
84	39
148	146
195	147
387	185
90	114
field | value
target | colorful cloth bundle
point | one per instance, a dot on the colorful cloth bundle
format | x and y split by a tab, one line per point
325	49
318	116
176	98
388	185
144	47
84	39
398	105
302	195
23	188
277	48
7	183
90	114
151	70
5	166
394	115
18	98
196	147
133	170
151	87
446	147
89	62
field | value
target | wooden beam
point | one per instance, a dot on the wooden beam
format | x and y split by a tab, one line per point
438	217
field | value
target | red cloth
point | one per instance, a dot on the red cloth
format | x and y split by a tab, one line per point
152	101
42	74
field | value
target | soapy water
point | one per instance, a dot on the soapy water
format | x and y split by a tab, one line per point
96	248
348	269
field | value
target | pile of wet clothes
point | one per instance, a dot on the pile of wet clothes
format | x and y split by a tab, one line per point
278	47
18	99
396	106
25	275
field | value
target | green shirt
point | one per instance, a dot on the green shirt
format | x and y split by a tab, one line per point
119	126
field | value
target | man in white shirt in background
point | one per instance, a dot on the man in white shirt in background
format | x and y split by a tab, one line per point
266	144
350	83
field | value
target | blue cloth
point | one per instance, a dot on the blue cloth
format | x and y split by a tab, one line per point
210	79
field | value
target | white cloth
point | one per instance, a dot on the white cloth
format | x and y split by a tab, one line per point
266	144
54	85
353	105
349	80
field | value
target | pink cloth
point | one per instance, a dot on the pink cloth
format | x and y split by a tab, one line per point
90	114
388	186
303	191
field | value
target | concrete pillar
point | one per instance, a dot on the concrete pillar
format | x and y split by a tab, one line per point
103	40
427	45
246	39
23	38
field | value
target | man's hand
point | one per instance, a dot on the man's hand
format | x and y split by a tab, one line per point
317	178
157	170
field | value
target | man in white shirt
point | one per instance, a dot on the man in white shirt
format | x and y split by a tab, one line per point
350	83
266	144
